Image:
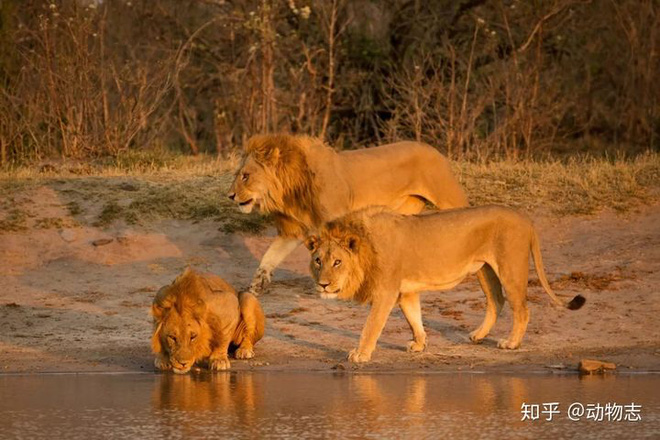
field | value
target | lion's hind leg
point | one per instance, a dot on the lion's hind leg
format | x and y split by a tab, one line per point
411	308
514	280
492	288
251	327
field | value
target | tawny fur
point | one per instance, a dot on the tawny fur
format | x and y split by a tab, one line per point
198	318
382	257
303	183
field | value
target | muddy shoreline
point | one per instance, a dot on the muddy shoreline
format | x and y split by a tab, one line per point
68	305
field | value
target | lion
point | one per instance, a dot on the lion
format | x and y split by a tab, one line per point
198	318
303	183
381	257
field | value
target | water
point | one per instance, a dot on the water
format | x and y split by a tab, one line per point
316	405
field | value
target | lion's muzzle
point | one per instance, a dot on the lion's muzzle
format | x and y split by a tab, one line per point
246	206
180	367
326	291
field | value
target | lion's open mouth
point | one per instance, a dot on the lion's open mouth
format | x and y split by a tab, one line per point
246	206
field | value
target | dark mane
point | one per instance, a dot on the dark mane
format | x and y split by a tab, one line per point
295	192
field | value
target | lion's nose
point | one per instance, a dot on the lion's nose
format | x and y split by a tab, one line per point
324	285
231	196
184	364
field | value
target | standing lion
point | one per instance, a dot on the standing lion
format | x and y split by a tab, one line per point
383	258
304	183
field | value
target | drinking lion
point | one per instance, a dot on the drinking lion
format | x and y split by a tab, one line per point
198	318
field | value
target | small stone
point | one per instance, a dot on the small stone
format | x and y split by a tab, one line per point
102	241
557	366
338	367
590	366
128	187
68	235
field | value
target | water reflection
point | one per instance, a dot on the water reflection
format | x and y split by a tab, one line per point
285	405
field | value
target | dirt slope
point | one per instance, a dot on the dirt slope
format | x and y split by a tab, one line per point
67	304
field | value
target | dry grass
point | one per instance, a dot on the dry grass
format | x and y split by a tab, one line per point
576	186
144	189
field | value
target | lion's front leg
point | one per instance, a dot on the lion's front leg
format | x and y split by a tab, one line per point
219	359
276	253
380	311
162	362
261	279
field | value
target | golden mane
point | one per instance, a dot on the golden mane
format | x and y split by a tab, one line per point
185	293
293	192
183	297
362	279
201	318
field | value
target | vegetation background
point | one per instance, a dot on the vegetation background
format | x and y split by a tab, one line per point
478	79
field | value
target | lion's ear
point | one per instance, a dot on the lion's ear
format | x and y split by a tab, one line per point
312	243
162	303
188	272
271	156
158	310
352	242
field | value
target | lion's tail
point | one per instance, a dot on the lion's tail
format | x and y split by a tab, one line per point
573	304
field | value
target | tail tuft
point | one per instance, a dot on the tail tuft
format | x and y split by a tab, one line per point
576	302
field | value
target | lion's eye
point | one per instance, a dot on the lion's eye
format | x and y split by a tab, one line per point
337	263
193	336
317	261
245	177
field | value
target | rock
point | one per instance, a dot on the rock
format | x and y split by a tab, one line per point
338	367
128	187
68	235
102	241
557	366
590	366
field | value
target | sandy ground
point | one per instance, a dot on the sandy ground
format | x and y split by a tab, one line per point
69	305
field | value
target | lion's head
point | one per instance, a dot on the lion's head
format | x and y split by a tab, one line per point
181	333
275	177
343	261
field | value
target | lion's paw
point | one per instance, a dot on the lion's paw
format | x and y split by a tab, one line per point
358	357
259	282
416	347
244	353
219	364
162	363
476	337
507	345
